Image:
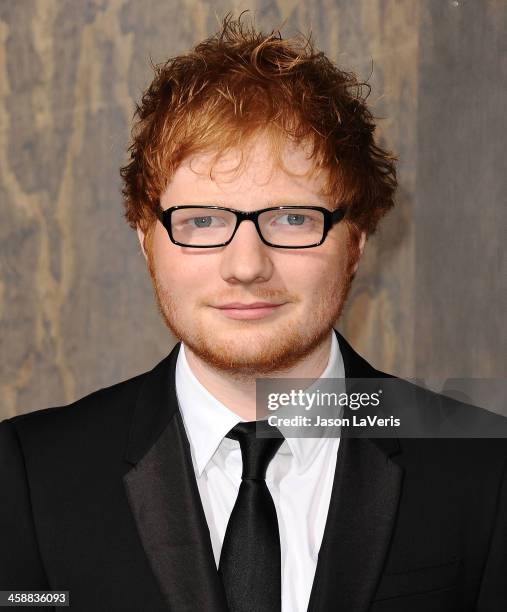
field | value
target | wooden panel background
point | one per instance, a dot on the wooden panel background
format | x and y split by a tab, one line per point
76	306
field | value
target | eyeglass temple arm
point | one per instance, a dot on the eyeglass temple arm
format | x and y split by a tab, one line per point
159	211
338	214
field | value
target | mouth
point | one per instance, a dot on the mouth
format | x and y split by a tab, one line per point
256	310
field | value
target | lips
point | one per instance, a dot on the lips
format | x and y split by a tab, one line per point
240	306
256	310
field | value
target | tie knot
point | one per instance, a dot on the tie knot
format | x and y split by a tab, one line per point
256	452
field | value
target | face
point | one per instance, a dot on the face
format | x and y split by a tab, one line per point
306	287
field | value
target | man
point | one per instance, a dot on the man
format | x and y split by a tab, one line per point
253	184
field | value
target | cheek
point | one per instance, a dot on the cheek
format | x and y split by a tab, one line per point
163	261
312	278
341	255
324	282
178	270
331	277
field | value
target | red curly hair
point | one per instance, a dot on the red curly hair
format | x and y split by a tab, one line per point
239	83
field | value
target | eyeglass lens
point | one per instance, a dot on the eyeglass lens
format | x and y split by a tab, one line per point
287	227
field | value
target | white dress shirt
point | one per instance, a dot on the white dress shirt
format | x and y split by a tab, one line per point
299	478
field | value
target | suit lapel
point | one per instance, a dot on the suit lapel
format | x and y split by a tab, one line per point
164	499
361	515
358	529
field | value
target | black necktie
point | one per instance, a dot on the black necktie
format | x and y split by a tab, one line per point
250	564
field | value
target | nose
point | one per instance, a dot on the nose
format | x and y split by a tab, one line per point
246	259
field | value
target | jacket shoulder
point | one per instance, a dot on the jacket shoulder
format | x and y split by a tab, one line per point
443	432
99	411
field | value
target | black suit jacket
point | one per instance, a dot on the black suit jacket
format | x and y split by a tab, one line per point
100	498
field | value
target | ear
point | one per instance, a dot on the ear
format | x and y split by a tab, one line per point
362	242
141	235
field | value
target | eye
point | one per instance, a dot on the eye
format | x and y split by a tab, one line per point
292	219
203	222
296	219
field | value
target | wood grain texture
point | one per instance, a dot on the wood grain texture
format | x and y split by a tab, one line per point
460	214
76	305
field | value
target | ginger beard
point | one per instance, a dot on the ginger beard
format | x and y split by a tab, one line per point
246	350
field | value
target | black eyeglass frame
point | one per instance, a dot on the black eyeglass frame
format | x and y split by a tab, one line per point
331	217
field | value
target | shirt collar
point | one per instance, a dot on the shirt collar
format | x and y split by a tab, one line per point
207	420
306	449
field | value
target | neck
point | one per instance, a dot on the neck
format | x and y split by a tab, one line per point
239	395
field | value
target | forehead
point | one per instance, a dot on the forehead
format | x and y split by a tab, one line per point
257	168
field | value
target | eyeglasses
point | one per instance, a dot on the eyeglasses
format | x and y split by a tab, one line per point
287	227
